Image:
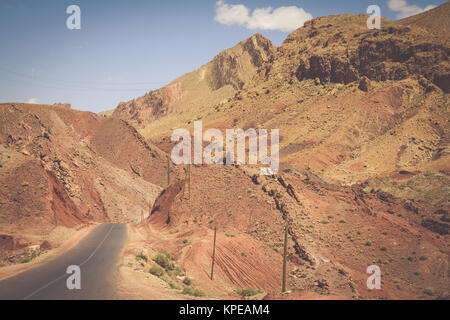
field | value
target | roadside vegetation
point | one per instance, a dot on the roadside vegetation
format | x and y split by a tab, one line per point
164	267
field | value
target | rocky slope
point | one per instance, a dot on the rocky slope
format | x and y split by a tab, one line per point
363	117
214	82
61	169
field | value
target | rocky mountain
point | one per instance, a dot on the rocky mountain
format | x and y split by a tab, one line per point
363	118
363	180
192	93
338	92
61	169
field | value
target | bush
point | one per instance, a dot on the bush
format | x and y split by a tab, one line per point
248	292
190	291
428	291
174	270
156	271
367	243
163	260
171	284
141	257
187	281
383	248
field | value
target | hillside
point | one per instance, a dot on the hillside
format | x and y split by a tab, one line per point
339	94
363	180
198	91
61	169
364	147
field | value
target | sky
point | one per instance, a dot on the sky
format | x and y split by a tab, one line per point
124	49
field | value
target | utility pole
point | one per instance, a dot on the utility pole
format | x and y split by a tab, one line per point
283	289
185	178
189	181
214	253
168	171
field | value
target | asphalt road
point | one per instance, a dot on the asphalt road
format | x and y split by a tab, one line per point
96	255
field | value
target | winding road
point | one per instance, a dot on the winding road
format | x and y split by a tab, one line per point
96	255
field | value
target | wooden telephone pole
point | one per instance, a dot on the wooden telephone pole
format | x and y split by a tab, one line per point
214	253
189	180
168	171
283	289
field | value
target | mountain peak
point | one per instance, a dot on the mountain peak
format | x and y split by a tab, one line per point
435	21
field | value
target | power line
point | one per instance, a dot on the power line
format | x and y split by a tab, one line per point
46	83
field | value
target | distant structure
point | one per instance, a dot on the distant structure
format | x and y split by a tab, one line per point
60	104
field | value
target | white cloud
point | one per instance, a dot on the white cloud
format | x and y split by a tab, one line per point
33	100
404	9
284	19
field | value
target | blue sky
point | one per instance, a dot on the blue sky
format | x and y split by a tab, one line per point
127	48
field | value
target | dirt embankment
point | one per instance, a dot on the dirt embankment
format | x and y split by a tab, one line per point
61	168
335	233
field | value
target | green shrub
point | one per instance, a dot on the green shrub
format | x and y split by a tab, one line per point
428	291
171	284
163	260
187	281
383	248
174	286
248	292
156	271
367	243
185	241
423	258
174	270
190	291
141	257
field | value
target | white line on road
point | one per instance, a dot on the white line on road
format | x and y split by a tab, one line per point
64	275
